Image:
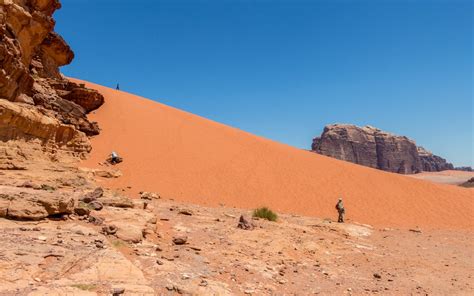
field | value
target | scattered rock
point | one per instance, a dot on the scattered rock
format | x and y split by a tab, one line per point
95	220
82	211
109	229
130	233
149	195
180	240
99	244
185	212
245	224
118	291
117	202
377	276
32	205
96	205
93	196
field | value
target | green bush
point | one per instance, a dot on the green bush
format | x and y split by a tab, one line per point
265	213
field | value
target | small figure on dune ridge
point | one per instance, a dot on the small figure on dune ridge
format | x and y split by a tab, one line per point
341	210
117	87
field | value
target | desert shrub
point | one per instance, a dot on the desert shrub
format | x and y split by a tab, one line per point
265	213
119	244
85	287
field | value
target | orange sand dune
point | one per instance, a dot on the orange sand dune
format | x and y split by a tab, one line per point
189	158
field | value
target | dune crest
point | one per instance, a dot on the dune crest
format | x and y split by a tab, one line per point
192	159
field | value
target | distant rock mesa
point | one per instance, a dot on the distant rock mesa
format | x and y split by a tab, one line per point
372	147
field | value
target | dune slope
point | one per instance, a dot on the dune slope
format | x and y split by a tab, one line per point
189	158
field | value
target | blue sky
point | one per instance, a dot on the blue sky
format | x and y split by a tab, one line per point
284	69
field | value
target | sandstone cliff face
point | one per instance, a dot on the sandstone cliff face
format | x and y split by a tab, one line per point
37	104
433	163
375	148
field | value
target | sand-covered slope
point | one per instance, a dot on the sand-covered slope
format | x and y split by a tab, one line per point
189	158
445	177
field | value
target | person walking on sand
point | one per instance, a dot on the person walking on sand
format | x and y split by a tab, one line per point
341	210
117	87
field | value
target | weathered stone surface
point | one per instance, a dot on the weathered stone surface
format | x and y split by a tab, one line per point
25	123
117	202
375	148
129	233
27	204
30	56
87	98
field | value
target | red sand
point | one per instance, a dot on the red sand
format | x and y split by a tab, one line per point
192	159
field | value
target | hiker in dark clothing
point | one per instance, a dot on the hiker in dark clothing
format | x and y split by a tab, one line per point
114	158
118	87
340	209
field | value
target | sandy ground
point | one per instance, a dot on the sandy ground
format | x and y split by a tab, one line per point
296	255
192	159
445	177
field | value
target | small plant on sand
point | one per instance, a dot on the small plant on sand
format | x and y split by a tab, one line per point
84	287
119	244
265	213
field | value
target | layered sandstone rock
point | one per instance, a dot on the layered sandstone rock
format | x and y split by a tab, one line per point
36	102
375	148
26	123
433	163
29	204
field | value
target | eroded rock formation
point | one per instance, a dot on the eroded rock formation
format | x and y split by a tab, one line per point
433	163
36	102
375	148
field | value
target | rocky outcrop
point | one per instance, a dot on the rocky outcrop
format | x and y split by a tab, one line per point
29	204
37	102
26	123
375	148
433	163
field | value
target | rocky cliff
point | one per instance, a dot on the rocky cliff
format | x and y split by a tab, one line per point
37	104
433	163
375	148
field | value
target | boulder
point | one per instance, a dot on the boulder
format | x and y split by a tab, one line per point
129	233
245	224
92	196
89	99
117	202
96	205
180	240
29	204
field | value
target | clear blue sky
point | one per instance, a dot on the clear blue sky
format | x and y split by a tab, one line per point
284	69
